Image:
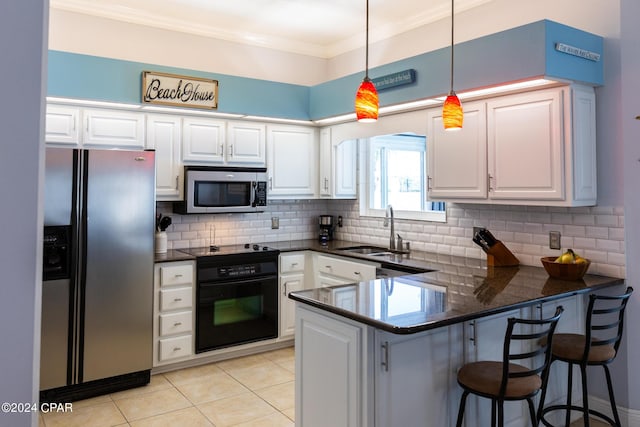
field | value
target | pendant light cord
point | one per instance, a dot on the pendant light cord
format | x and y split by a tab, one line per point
451	90
366	49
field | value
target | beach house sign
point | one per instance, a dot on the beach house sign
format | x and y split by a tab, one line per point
179	91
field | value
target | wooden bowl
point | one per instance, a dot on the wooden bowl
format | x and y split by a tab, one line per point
558	270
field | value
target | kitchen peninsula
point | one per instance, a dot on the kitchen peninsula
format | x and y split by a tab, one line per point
385	352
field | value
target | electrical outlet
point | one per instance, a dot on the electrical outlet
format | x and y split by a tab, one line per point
554	240
275	222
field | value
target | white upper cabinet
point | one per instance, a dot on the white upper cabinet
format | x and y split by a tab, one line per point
525	146
337	167
458	159
246	143
203	140
63	125
292	162
534	148
164	136
216	142
113	128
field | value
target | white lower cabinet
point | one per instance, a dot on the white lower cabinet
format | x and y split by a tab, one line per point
332	270
173	312
351	374
415	377
292	279
330	375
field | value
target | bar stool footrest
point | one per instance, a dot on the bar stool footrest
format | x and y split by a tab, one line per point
580	409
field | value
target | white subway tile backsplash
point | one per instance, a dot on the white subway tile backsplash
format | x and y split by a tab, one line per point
595	232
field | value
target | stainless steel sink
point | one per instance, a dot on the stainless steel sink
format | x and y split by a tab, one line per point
365	250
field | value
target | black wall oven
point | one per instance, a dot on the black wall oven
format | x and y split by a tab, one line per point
237	299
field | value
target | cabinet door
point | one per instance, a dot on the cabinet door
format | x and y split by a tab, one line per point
246	143
525	146
344	155
292	162
457	159
485	338
415	378
114	128
325	174
289	283
203	140
62	125
329	377
163	135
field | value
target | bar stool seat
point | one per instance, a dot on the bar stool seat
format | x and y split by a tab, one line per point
571	346
486	377
597	347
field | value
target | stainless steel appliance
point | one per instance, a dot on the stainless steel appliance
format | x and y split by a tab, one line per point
237	295
223	190
326	224
97	272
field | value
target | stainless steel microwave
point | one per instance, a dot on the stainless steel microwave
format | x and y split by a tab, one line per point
223	190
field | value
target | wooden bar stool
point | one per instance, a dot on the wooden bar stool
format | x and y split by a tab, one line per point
597	347
512	378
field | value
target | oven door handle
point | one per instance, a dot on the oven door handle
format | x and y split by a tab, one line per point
237	282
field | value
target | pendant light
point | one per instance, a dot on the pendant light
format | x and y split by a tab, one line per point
367	96
452	110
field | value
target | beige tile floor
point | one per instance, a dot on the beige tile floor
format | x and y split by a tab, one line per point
252	391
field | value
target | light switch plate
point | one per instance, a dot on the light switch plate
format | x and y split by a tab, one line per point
275	222
554	240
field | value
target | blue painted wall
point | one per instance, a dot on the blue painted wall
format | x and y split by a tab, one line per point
91	77
517	54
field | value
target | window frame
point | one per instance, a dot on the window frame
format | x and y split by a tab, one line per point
365	190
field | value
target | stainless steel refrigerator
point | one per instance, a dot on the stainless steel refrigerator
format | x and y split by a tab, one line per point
98	272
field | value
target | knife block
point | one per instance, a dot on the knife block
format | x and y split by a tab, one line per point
499	255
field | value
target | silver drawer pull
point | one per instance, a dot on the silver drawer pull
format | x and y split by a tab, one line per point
177	276
327	266
356	273
293	264
177	299
177	348
177	324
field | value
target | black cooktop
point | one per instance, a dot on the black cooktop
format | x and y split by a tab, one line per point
246	248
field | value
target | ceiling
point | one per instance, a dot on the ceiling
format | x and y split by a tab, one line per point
322	28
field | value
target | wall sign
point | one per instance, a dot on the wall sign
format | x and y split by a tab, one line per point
179	91
396	79
576	51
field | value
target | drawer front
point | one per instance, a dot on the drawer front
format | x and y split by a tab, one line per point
174	299
291	263
175	323
354	271
173	348
176	275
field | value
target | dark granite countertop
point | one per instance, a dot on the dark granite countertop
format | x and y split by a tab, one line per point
457	290
173	255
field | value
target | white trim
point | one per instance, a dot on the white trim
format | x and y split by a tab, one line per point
628	417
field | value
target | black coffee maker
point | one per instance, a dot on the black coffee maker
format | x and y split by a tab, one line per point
326	224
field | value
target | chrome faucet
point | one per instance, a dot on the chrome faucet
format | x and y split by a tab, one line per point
388	219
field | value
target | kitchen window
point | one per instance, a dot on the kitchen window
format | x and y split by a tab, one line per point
394	172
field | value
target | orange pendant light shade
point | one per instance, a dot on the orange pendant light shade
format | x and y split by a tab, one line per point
367	102
452	112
